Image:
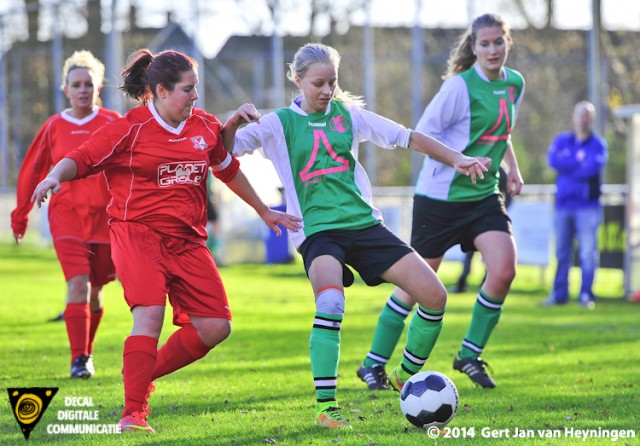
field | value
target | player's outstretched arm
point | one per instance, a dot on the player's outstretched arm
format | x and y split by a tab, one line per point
65	170
473	167
242	188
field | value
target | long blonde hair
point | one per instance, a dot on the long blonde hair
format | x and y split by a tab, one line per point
83	59
318	52
462	57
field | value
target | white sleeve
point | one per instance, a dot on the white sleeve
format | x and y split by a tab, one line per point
516	106
257	135
448	108
369	126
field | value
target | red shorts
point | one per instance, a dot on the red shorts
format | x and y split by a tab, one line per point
151	266
78	257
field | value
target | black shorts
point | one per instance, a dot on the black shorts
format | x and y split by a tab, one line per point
438	225
370	251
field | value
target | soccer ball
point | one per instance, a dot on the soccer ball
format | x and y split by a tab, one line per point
429	399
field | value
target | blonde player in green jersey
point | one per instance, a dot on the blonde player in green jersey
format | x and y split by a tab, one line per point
313	145
474	112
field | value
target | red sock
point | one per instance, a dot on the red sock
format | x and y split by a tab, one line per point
96	317
76	318
138	358
182	348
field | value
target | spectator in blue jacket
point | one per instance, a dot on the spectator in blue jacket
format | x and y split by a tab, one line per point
579	158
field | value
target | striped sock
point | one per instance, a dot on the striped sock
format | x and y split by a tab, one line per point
486	314
390	325
324	346
424	329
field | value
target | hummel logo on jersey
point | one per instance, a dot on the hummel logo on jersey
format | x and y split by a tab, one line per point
199	142
178	139
500	92
317	124
184	172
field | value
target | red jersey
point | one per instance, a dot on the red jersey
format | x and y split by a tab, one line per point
157	174
71	210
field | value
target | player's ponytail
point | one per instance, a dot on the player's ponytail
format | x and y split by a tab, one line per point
145	71
134	76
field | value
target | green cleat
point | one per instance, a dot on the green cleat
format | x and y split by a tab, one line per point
395	381
328	415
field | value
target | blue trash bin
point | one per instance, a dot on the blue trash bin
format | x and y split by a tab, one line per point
277	249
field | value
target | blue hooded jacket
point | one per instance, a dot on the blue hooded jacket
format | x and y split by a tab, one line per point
579	165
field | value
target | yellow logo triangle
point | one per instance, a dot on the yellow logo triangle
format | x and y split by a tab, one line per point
28	405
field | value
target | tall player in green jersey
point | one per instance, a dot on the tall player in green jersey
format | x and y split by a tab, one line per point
313	145
474	112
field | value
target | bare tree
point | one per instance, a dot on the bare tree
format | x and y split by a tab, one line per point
333	16
33	8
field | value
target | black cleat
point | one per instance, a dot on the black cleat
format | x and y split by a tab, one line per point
474	369
374	376
82	367
58	318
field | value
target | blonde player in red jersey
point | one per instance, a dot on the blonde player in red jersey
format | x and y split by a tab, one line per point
77	215
156	160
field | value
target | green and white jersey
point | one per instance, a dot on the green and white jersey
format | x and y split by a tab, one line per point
316	158
473	115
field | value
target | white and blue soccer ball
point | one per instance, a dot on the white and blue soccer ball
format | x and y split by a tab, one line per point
429	399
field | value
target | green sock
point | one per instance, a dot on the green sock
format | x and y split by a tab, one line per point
388	331
424	328
486	314
324	346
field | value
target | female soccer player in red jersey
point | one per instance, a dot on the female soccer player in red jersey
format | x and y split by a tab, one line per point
77	215
156	160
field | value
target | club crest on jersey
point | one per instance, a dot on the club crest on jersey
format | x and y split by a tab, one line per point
339	124
181	173
199	142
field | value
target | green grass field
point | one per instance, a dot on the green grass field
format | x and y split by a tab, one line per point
557	369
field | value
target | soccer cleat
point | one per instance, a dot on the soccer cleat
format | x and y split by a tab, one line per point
58	318
374	376
474	369
552	301
89	365
328	415
587	300
79	369
395	382
135	422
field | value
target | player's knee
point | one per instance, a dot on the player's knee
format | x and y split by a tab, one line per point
434	298
212	331
330	301
78	289
505	275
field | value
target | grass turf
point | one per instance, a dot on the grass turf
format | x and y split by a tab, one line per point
557	369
